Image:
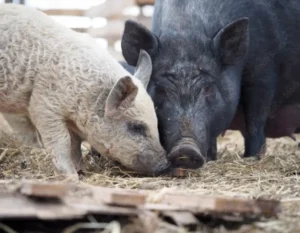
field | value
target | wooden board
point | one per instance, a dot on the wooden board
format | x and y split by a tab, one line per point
43	190
144	2
109	9
35	200
65	12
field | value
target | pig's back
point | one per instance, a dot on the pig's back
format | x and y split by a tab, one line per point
35	51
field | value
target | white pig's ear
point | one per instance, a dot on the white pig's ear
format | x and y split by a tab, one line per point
144	68
121	97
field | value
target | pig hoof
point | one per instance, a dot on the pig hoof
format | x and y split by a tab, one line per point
94	153
258	156
81	174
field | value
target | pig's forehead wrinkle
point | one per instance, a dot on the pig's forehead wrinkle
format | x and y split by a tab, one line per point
170	63
187	44
184	75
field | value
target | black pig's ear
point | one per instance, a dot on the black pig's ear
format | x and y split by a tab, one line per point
135	38
231	42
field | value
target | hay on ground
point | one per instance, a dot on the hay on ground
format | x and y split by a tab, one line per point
274	176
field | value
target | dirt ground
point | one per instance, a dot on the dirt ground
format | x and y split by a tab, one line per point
274	176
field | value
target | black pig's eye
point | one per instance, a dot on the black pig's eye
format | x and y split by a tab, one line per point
208	90
160	91
137	128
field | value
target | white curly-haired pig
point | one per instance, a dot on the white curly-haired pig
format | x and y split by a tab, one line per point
72	90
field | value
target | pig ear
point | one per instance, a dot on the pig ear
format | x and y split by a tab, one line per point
121	97
231	42
144	68
136	37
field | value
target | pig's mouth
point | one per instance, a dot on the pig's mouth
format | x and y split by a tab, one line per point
186	154
161	169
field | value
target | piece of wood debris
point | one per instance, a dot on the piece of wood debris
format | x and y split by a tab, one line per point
182	218
14	206
120	197
223	205
144	2
128	202
43	190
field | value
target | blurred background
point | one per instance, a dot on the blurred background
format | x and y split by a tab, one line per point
102	19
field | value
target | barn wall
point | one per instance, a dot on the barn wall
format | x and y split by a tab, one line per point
102	19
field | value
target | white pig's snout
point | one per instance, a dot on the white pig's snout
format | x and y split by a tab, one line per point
154	163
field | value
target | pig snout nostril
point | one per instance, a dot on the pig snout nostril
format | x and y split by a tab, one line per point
186	157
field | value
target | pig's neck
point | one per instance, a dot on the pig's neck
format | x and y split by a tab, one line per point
101	140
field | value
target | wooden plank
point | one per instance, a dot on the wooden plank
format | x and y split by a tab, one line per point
124	199
65	12
80	29
109	9
84	199
119	197
114	29
223	205
144	2
43	190
183	219
18	206
93	206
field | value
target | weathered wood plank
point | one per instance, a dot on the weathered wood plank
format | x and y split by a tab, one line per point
122	197
65	12
84	199
182	218
44	189
223	205
109	9
144	2
114	29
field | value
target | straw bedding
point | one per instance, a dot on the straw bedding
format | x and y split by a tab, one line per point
274	176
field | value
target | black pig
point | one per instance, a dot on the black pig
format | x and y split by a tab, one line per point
214	57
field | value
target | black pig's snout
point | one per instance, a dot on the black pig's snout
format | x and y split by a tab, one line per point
186	156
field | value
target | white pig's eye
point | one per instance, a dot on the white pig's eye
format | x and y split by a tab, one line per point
137	128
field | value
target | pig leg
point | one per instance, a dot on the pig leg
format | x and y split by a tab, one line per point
23	129
257	100
55	136
76	152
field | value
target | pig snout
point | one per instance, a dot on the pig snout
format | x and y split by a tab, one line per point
153	163
186	155
161	168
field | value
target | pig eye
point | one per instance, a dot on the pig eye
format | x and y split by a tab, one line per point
160	90
137	128
208	90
